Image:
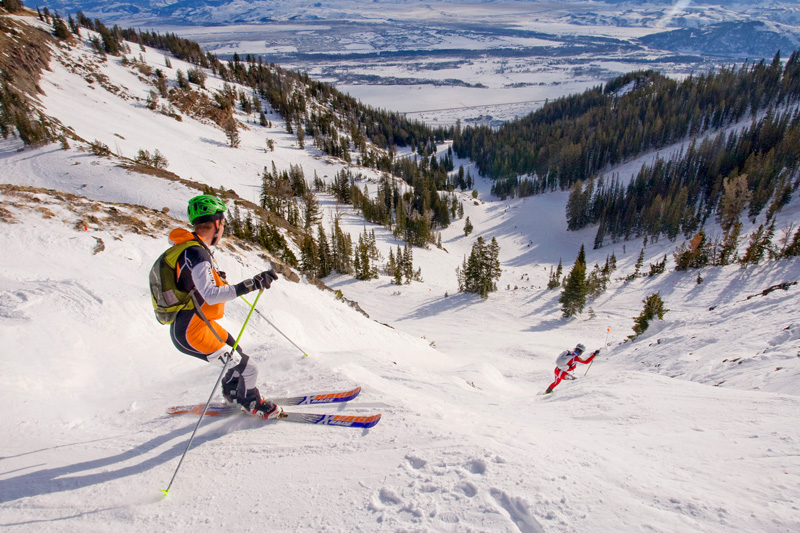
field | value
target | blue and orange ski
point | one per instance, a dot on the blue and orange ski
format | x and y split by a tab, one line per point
221	409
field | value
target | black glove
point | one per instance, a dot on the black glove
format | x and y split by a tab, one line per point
265	279
259	282
596	352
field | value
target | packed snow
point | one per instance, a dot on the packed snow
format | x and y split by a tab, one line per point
693	425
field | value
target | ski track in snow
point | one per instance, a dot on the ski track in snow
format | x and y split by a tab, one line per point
690	427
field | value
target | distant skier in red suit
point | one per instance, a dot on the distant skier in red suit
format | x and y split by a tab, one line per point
566	363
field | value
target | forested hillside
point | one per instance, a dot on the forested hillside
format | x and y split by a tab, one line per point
315	112
577	137
726	175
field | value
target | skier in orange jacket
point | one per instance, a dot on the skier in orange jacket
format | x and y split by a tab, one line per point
196	331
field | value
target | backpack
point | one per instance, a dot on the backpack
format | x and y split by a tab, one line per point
563	359
168	300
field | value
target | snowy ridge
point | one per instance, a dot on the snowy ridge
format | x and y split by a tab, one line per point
690	426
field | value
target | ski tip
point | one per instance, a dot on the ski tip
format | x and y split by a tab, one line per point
370	421
305	355
166	492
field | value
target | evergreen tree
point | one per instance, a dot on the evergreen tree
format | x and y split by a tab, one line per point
492	270
653	307
301	136
324	259
60	29
309	255
480	272
696	255
595	282
408	264
639	262
231	132
363	264
399	269
555	277
73	26
467	227
730	242
311	212
658	268
183	81
391	265
793	249
573	297
760	243
734	200
341	249
12	6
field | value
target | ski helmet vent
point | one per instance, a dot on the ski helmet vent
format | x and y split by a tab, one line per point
205	208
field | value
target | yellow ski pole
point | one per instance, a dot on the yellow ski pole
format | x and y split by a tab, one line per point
224	366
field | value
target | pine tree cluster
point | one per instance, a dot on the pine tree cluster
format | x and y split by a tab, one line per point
479	273
401	266
747	171
413	216
280	192
321	257
555	276
701	251
598	278
259	231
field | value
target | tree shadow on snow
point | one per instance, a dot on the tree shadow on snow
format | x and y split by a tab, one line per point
452	303
546	325
69	477
213	142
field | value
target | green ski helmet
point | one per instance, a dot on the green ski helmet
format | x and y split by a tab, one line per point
205	208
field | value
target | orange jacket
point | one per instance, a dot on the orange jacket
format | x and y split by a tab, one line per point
185	281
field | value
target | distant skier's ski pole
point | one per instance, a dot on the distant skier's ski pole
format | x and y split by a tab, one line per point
224	367
608	330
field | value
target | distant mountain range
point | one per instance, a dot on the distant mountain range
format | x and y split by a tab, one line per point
746	39
209	11
721	28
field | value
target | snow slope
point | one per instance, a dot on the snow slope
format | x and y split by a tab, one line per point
691	426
